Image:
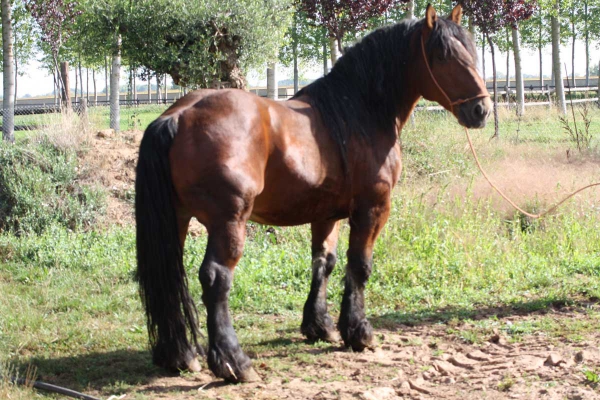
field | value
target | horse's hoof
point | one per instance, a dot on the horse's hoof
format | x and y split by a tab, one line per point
194	365
361	337
332	337
250	375
247	376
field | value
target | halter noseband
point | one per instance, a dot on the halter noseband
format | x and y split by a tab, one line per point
451	103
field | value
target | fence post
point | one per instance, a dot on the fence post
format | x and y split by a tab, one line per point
549	97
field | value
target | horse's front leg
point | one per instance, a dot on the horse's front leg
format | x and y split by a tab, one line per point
316	322
366	221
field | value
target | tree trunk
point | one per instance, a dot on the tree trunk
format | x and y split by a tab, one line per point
115	79
64	81
325	56
135	95
496	134
106	91
410	12
507	64
80	79
272	92
87	84
573	50
540	53
55	88
166	88
130	86
16	78
76	85
295	56
95	91
333	51
518	73
149	88
157	89
558	82
8	101
587	47
483	57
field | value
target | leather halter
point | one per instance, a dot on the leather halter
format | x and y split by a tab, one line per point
451	103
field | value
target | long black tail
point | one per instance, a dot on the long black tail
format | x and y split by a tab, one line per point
170	310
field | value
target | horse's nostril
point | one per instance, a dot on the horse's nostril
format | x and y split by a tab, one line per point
478	111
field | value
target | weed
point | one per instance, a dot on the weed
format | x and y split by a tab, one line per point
591	376
505	384
582	137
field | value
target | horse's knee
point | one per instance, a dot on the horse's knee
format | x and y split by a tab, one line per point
359	268
216	281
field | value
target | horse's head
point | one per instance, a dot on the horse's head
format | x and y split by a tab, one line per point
447	70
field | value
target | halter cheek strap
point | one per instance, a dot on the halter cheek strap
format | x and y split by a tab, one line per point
451	103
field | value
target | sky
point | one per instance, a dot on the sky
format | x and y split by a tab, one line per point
37	82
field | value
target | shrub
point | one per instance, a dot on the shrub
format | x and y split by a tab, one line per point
39	186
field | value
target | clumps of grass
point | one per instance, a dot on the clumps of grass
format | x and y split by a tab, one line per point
9	389
39	184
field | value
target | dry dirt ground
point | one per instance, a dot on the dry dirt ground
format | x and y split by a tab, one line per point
424	361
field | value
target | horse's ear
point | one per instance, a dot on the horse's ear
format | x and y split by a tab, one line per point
456	14
430	16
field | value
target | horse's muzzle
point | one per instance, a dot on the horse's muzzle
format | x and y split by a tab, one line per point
474	113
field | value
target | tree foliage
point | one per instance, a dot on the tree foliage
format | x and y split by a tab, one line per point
491	16
342	16
55	18
196	43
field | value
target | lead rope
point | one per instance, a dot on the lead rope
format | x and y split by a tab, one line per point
500	192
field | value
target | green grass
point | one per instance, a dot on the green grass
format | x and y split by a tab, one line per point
70	305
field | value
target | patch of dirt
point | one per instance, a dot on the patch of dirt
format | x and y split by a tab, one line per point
534	181
420	362
110	161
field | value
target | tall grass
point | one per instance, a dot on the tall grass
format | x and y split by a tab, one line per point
39	181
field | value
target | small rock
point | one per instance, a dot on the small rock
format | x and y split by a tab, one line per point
444	367
449	381
478	356
554	359
581	356
379	393
461	361
106	133
355	373
427	375
404	388
419	386
498	339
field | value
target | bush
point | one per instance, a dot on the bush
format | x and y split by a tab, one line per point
39	186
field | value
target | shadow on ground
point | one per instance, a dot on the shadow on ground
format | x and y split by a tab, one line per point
96	371
538	306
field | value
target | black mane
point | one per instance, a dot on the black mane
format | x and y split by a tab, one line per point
361	94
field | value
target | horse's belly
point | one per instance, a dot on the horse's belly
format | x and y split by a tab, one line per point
297	205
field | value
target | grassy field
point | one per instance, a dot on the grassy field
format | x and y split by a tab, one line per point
450	252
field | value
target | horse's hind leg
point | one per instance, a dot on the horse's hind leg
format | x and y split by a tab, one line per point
225	357
316	322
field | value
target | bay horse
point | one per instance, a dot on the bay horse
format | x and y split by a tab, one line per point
331	152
